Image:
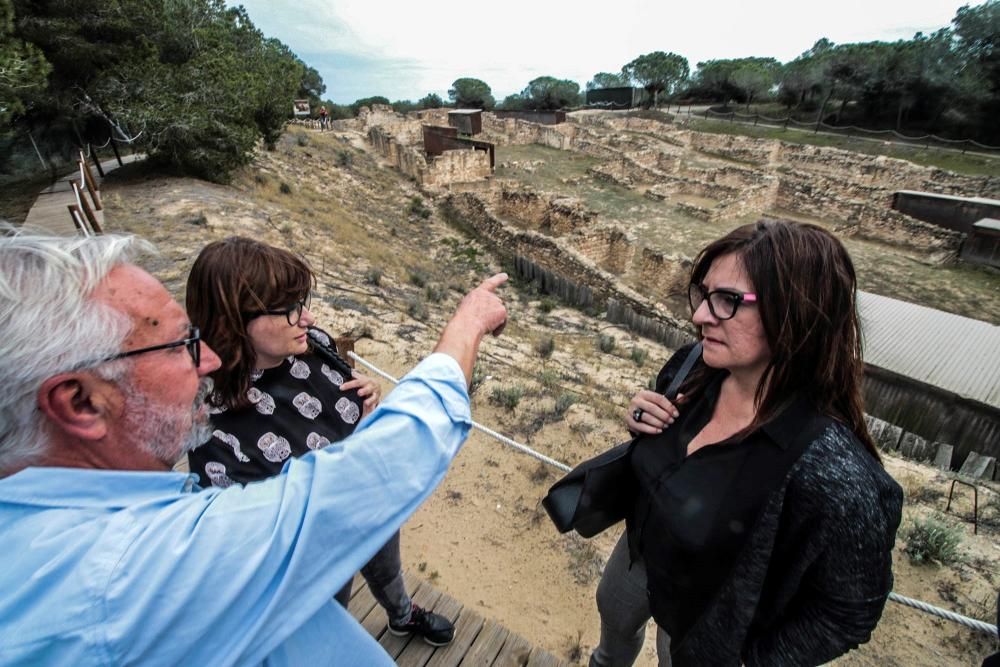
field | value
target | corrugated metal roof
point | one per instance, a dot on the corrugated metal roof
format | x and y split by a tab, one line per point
935	195
988	223
949	351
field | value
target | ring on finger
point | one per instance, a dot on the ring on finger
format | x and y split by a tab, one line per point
637	414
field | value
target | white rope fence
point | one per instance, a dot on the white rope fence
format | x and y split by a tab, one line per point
973	623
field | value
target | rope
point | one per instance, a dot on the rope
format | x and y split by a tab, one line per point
524	449
972	623
944	613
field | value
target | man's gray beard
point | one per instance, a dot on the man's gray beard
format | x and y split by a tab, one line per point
167	433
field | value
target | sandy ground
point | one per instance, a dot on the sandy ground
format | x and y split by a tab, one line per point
482	536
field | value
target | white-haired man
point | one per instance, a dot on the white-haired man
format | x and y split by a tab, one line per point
115	559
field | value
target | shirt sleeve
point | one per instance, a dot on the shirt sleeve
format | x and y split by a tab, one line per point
233	572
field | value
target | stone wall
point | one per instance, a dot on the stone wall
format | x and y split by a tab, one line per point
663	276
458	166
407	159
610	247
472	213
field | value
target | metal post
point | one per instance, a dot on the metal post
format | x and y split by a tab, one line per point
118	157
975	502
37	152
97	160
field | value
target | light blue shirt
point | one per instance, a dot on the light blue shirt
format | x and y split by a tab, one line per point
143	568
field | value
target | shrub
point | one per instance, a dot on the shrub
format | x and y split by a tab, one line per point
639	356
478	377
302	139
418	209
345	159
606	343
434	293
416	309
932	540
547	304
507	397
373	277
549	378
418	278
285	188
563	403
545	347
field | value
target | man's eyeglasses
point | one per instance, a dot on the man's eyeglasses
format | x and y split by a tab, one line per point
722	303
292	313
192	343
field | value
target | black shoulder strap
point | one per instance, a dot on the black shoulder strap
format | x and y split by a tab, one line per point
689	361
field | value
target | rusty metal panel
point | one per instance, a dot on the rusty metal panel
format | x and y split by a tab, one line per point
467	121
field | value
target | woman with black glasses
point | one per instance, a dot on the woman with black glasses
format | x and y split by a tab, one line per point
763	522
283	391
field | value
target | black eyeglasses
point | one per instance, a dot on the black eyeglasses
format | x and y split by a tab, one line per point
292	313
722	303
192	343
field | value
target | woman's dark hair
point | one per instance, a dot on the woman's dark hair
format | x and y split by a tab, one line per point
807	298
231	279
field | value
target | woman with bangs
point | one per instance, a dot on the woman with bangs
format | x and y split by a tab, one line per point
282	391
763	524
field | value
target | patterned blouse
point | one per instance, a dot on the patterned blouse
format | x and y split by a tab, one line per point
296	407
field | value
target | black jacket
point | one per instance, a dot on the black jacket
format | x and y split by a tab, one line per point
816	570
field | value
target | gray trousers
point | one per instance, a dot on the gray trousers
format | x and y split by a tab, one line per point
384	574
623	605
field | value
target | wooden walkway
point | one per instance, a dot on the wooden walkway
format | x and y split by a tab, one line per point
50	212
478	642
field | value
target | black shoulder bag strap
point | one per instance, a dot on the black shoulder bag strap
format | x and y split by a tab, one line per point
600	492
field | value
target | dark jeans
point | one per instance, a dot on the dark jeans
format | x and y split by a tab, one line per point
623	605
384	575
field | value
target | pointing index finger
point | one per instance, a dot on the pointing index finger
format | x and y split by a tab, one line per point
493	282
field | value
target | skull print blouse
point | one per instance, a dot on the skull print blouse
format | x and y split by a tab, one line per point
295	407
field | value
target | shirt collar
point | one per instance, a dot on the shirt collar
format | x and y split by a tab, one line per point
793	420
86	487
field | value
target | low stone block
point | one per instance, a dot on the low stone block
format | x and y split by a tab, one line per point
979	467
889	437
942	457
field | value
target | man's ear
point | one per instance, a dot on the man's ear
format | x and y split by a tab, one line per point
76	404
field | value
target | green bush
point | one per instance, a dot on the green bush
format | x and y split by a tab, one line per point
507	397
563	404
416	309
606	343
418	209
545	347
345	159
549	378
932	540
418	278
639	356
434	293
547	304
285	188
302	139
373	277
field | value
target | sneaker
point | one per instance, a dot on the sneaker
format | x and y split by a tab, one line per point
434	628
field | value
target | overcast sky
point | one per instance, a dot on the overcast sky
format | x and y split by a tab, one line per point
404	50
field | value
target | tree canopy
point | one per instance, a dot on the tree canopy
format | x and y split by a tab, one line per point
608	80
191	82
657	72
471	94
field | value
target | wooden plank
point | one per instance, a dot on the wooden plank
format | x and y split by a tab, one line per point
362	604
426	597
88	180
515	652
74	214
487	646
466	629
542	658
416	654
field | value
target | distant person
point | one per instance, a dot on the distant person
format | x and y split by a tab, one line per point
279	396
118	560
323	118
763	524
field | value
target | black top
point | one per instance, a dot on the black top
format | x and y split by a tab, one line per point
296	407
694	513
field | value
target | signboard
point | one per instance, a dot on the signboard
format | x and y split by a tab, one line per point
300	107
